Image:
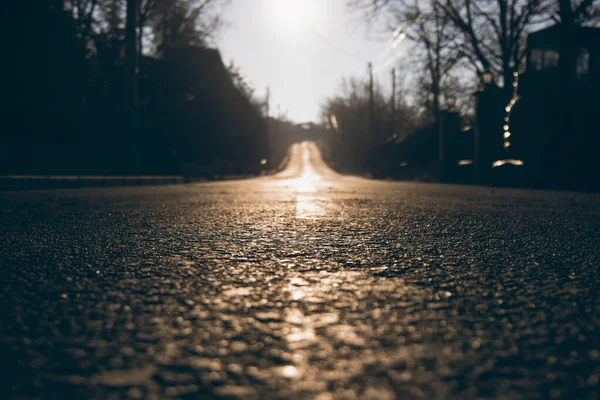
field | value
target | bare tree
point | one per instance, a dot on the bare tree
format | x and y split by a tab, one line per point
147	7
490	34
494	33
436	51
577	12
164	22
83	13
348	113
240	81
111	15
182	22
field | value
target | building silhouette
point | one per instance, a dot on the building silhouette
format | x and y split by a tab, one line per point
556	116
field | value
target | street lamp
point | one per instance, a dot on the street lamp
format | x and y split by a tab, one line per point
450	102
488	77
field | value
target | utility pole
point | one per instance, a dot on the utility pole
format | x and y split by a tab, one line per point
394	93
132	68
393	101
267	101
371	104
270	140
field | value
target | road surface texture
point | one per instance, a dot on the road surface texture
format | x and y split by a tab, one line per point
306	284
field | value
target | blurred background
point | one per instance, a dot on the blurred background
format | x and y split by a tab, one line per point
489	92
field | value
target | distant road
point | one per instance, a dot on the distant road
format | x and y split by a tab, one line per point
305	284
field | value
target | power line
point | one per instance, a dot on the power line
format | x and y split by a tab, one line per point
339	48
385	55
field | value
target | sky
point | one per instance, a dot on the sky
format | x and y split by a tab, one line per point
301	49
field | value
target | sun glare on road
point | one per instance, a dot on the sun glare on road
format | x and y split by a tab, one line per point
305	186
305	183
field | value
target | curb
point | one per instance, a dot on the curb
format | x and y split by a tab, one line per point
41	182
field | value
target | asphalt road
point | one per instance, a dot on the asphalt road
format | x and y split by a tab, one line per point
306	284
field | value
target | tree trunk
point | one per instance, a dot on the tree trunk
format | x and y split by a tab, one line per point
140	46
567	50
437	116
131	93
567	133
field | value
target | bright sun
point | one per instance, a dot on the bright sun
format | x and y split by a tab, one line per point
294	15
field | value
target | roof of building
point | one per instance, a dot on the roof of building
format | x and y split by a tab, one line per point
549	38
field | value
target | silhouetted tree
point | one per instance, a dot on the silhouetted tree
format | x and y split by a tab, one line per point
83	13
348	112
490	35
436	50
494	33
240	80
112	18
180	23
70	113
